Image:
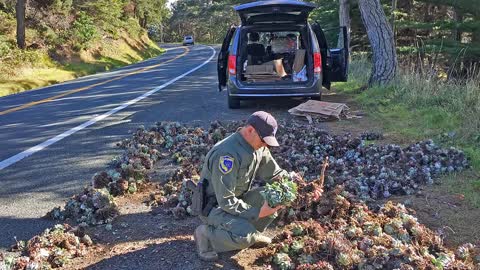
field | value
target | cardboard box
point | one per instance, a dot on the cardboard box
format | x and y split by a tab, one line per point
299	60
266	68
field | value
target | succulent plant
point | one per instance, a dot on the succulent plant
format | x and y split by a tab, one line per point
380	239
283	261
297	230
464	251
282	192
296	246
305	259
93	206
443	260
51	249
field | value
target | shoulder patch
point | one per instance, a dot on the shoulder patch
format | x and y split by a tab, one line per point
225	164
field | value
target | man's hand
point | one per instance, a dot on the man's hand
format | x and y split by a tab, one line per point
266	210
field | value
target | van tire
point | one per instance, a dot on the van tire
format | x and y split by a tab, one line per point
233	103
319	98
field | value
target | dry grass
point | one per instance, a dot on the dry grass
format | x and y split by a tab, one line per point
31	69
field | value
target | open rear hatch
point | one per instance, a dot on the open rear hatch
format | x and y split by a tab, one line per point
274	11
281	56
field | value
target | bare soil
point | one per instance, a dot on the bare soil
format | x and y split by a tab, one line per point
446	213
142	239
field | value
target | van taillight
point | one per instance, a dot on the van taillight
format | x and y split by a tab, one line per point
317	62
232	64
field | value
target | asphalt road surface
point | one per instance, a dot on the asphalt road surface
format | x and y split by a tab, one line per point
52	140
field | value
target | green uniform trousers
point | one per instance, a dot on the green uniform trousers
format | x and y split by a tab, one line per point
228	232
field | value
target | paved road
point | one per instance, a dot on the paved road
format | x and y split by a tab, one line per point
53	140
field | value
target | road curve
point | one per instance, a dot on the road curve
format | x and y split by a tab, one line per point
30	187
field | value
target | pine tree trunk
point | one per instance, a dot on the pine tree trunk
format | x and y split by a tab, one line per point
428	17
344	19
20	14
476	34
381	39
458	18
392	16
161	32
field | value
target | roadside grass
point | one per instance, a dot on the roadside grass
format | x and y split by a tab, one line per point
29	69
415	107
34	78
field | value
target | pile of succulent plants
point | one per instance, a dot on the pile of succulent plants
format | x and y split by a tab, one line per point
188	150
174	196
308	197
281	192
91	207
370	171
52	249
342	233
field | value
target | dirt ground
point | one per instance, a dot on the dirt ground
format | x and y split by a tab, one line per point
142	239
446	213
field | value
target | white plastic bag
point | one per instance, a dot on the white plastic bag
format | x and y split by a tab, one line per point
301	76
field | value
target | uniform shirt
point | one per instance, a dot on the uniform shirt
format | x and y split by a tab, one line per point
230	166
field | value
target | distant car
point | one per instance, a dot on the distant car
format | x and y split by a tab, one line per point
272	31
188	40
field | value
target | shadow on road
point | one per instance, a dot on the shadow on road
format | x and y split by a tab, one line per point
21	228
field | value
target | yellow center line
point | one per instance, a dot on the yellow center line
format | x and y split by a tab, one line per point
33	103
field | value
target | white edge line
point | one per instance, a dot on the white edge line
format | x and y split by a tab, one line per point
174	48
11	160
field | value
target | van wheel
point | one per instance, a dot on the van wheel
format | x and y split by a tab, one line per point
319	98
233	103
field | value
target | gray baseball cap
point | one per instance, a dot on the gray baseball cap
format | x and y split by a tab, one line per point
265	125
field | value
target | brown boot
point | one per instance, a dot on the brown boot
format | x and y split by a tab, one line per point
261	240
203	248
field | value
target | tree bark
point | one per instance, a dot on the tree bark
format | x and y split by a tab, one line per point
458	18
476	34
344	19
161	32
392	17
381	39
20	14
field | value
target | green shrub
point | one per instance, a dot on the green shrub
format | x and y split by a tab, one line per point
62	6
8	23
83	31
32	58
5	46
107	15
17	59
49	35
133	27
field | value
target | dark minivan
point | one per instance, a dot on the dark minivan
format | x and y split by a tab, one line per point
276	52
